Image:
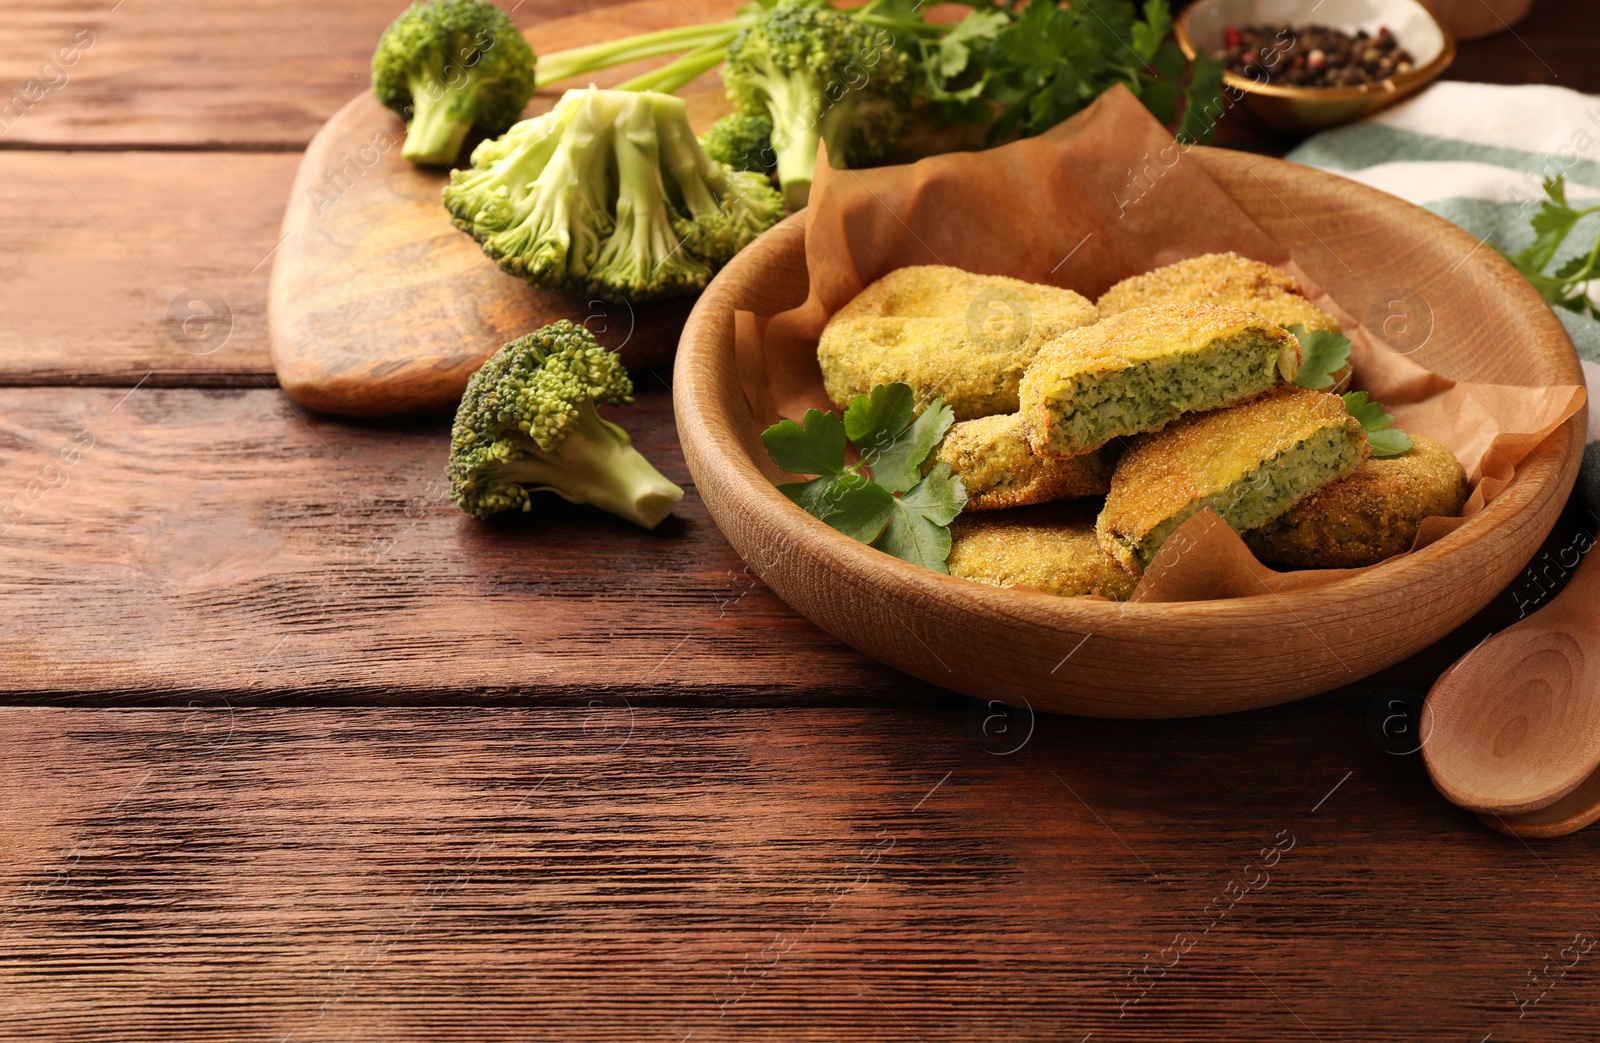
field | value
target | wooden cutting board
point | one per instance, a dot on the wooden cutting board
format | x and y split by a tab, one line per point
378	306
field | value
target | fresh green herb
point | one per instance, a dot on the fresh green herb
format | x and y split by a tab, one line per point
1568	286
884	499
1042	62
1323	353
1384	439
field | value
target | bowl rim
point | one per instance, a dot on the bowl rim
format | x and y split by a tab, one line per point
1399	83
1538	478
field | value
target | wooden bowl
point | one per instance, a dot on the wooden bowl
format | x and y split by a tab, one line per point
1298	110
1104	659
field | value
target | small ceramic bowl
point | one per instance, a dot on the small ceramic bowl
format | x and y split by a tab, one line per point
1299	110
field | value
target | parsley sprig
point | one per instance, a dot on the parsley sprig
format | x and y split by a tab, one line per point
1029	66
884	498
1567	286
1322	354
1384	439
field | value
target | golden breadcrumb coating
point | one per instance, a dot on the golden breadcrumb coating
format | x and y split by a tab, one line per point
1371	515
1140	369
992	457
1219	278
1051	547
947	333
1249	463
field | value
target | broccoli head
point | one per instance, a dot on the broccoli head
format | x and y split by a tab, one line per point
741	141
819	75
609	195
528	423
447	66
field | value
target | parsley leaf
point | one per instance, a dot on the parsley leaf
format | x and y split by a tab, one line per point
860	500
856	506
1383	439
919	530
1323	353
892	444
817	447
1568	286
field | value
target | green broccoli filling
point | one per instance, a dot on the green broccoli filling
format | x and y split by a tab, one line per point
1264	493
1095	408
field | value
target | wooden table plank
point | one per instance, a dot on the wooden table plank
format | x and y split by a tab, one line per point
167	541
251	74
608	872
128	267
158	543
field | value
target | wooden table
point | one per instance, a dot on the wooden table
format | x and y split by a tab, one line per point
295	751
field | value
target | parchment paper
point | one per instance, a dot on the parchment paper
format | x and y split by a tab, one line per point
1103	196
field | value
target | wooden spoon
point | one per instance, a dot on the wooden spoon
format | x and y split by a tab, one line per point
1514	725
1567	815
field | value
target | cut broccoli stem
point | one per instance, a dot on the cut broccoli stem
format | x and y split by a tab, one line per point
644	229
597	464
441	118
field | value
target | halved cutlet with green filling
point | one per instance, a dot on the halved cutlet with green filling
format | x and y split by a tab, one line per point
1141	369
1249	463
998	470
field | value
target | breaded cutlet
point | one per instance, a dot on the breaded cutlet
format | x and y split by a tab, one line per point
992	458
1225	278
1142	369
1050	547
1248	463
1371	515
947	333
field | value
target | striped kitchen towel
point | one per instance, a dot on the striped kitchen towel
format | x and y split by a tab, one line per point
1476	154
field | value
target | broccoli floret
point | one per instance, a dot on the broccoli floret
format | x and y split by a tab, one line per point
528	423
818	74
742	142
609	195
447	66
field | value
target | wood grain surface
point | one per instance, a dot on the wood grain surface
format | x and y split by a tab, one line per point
132	268
692	840
607	872
248	75
156	542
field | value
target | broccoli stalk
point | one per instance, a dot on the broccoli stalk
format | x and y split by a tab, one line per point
609	195
448	66
528	423
819	75
577	61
